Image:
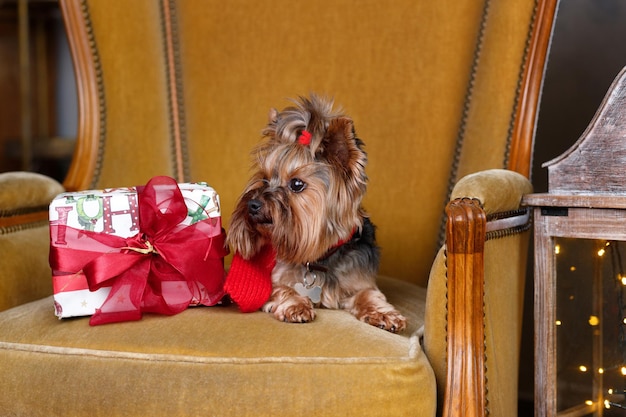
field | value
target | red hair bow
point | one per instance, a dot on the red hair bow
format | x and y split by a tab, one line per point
305	138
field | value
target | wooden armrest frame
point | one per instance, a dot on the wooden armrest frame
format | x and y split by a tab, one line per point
465	246
520	158
468	228
85	164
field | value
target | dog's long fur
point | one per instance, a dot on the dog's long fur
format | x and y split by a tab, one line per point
305	200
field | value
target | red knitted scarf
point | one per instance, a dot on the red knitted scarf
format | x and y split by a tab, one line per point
249	282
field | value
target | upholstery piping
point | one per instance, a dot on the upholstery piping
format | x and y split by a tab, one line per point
176	358
497	234
101	96
458	148
175	98
506	214
23	210
24	226
509	231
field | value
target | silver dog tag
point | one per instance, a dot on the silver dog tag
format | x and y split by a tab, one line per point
314	292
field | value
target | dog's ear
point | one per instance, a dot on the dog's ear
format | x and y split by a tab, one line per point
272	120
342	149
272	117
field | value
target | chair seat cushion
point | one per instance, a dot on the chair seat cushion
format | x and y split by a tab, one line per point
215	361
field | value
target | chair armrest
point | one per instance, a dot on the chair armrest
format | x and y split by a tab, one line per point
24	236
24	198
483	206
498	190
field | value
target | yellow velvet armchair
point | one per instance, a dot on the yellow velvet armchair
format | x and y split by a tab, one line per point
444	95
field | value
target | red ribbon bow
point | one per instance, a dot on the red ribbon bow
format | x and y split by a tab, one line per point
159	269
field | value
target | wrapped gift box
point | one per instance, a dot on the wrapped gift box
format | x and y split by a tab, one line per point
117	253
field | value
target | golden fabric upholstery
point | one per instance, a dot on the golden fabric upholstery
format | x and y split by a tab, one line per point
437	90
217	362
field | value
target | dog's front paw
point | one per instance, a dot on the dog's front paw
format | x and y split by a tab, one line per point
371	307
392	321
288	306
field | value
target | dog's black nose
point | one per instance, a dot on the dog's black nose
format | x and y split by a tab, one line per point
254	206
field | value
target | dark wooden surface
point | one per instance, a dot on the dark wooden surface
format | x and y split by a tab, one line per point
595	163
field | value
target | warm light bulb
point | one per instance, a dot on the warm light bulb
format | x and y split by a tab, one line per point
623	370
601	252
607	404
610	391
594	320
600	370
582	368
559	322
572	268
557	249
623	279
589	402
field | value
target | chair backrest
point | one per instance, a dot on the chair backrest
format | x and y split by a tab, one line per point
437	89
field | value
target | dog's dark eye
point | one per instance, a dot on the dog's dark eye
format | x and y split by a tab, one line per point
296	185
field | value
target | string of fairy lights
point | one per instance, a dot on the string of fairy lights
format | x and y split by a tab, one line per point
620	286
613	312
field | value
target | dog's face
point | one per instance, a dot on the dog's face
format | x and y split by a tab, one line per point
304	195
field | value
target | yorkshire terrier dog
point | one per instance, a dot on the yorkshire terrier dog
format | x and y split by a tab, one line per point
304	201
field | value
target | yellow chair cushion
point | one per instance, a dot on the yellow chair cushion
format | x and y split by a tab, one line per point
215	361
